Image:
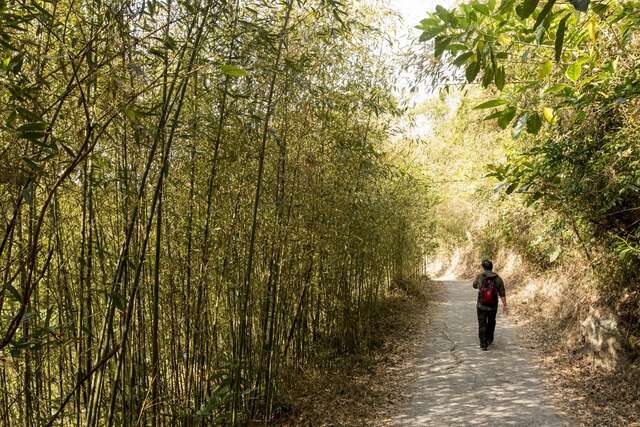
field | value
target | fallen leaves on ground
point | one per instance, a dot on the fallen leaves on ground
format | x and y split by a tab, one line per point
589	394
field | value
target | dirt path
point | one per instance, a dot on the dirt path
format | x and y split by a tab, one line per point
460	385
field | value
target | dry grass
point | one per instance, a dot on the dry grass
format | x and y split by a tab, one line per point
365	389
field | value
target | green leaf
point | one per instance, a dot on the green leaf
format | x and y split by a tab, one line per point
132	114
15	64
427	23
170	43
534	123
545	69
487	78
456	47
32	131
430	33
232	70
556	88
543	13
560	38
118	301
461	59
527	7
471	71
493	115
11	119
441	44
573	71
444	14
506	6
27	192
600	9
482	8
506	117
490	104
500	78
161	53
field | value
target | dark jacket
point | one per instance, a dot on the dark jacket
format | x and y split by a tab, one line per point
499	284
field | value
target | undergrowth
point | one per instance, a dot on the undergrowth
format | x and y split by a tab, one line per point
362	387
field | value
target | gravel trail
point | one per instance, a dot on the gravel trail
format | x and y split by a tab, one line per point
460	385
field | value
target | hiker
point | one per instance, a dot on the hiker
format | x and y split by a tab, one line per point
489	286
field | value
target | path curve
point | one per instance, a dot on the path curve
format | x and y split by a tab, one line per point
459	385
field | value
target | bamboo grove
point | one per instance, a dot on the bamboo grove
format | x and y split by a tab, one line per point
197	198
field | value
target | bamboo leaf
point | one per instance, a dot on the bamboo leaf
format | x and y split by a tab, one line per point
500	78
232	70
506	117
456	47
487	78
560	38
461	59
471	71
490	104
592	27
32	131
13	292
556	88
493	115
543	13
441	44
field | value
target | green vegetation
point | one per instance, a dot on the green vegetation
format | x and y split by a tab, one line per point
562	79
197	198
200	199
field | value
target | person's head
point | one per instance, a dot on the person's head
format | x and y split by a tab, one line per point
487	265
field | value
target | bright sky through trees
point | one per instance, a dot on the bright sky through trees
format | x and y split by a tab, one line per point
412	12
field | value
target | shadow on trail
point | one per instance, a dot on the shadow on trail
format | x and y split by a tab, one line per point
457	384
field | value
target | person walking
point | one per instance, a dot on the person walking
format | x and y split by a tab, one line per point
489	286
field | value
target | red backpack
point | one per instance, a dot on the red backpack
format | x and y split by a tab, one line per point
489	292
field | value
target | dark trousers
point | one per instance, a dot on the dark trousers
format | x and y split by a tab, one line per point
486	325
